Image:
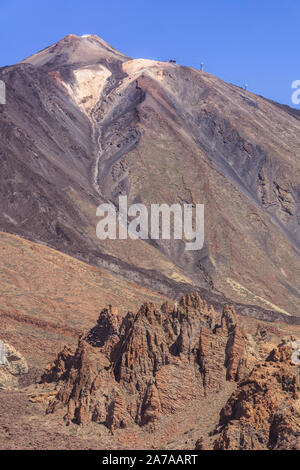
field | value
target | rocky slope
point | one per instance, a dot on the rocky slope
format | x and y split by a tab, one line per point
264	411
84	123
48	298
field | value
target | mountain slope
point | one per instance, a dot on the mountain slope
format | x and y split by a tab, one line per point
84	123
49	298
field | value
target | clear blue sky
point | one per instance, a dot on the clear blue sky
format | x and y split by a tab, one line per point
253	41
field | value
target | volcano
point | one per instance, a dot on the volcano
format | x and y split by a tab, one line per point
84	124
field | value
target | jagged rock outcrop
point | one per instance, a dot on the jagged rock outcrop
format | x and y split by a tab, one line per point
236	360
264	411
13	365
144	366
57	370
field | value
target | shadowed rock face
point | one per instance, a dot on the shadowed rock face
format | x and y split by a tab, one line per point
148	365
84	123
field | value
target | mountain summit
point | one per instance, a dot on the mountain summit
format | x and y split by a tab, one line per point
79	50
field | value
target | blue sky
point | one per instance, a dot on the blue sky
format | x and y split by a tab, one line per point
252	41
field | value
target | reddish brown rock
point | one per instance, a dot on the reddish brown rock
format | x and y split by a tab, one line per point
264	412
56	371
149	365
151	406
201	444
212	360
236	361
117	416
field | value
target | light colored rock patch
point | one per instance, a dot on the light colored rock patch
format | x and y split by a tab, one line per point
152	68
137	65
90	82
255	298
12	368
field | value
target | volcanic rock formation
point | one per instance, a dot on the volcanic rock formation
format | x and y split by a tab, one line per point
144	366
264	411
